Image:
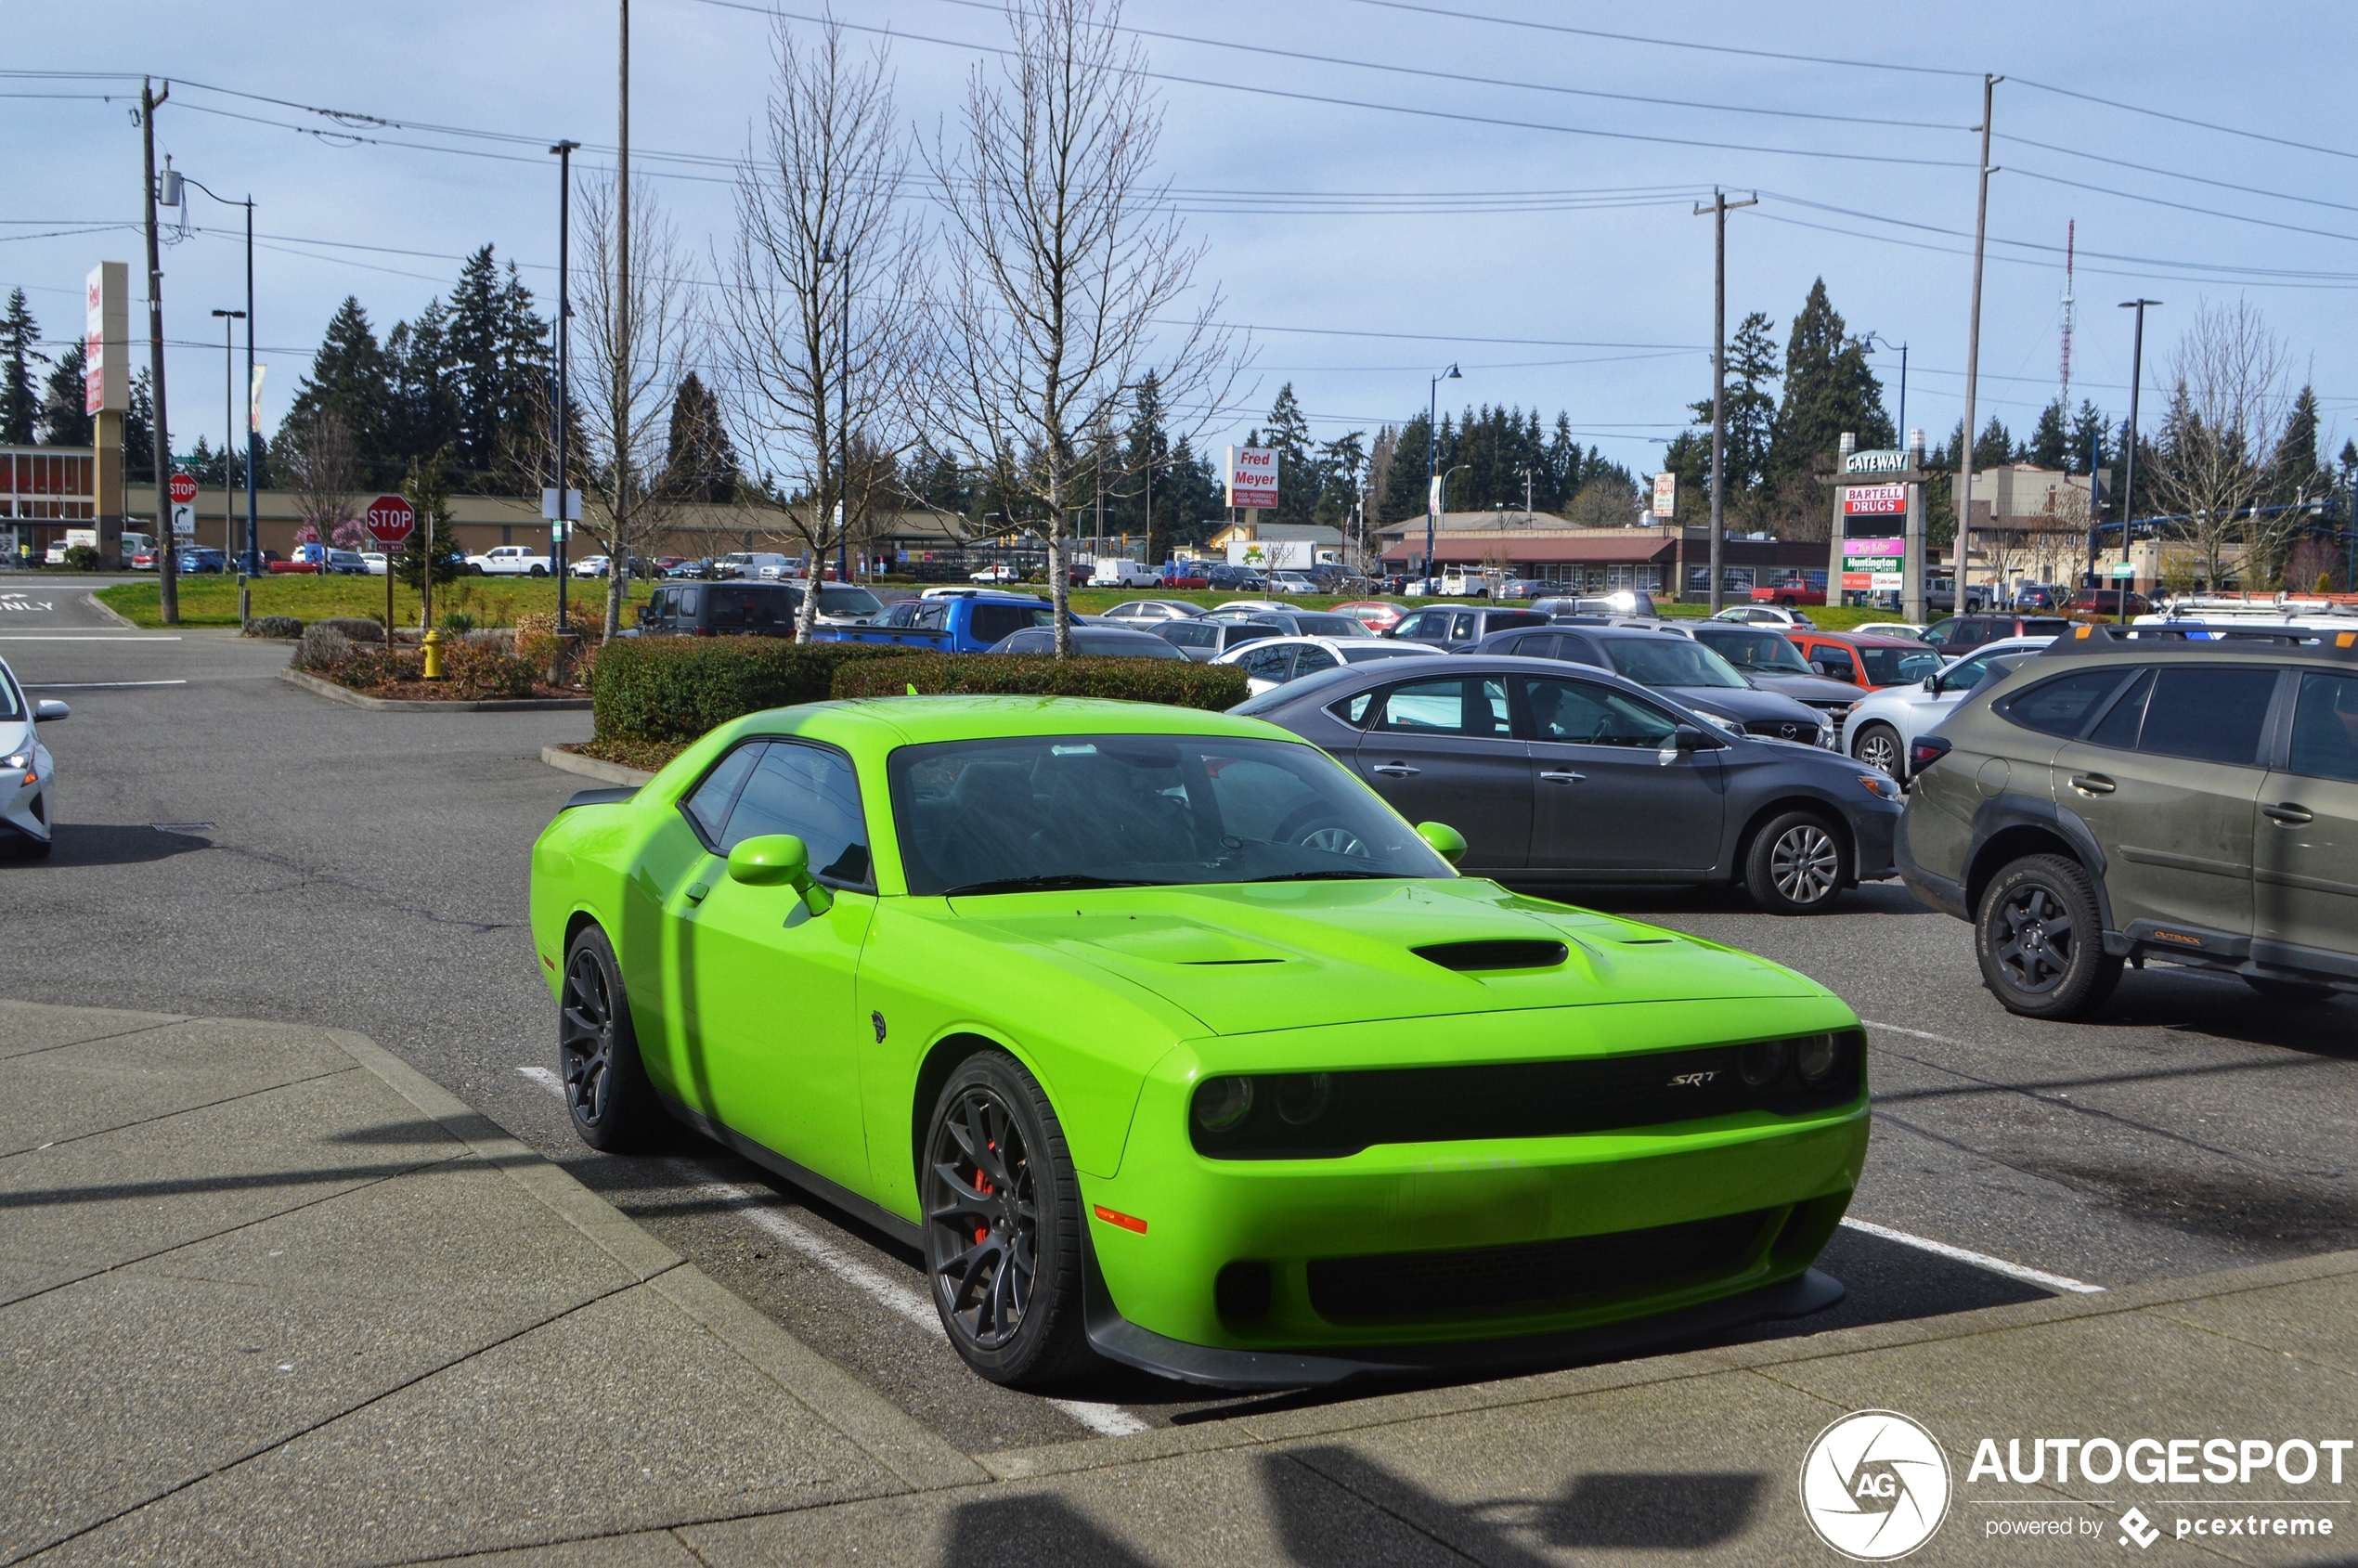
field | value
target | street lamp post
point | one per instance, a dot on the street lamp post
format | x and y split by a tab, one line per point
1868	343
249	565
228	420
2129	459
1433	459
563	528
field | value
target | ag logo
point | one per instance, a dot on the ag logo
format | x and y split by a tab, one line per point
1874	1486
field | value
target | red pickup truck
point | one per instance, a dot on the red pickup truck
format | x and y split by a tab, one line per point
1790	593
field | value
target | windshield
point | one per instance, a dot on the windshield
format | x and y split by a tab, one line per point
844	599
1331	626
1138	810
1898	667
1672	661
1763	651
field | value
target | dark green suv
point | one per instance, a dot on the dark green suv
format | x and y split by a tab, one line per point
2181	793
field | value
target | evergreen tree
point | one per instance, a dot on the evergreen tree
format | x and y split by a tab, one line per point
1297	479
1194	496
700	464
1342	467
1829	389
138	431
349	374
2295	458
1995	450
1563	460
1751	404
19	404
1403	494
2050	445
63	420
431	552
2142	503
2087	436
471	356
422	395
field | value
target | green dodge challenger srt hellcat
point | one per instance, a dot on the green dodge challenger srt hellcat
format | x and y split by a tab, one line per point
1168	1042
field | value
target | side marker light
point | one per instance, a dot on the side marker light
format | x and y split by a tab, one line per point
1126	1222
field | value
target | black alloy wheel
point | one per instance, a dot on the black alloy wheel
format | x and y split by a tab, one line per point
2040	939
1796	864
1002	1226
1878	747
613	1105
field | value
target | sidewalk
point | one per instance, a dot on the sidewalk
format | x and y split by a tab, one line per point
268	1296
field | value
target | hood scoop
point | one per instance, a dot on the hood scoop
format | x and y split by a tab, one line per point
1477	957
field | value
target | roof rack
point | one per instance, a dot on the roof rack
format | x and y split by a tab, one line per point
2198	636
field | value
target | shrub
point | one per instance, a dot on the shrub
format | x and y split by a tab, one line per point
1215	688
666	689
82	558
272	626
380	667
323	648
482	671
459	621
359	629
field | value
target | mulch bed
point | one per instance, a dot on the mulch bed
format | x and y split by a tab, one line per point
649	755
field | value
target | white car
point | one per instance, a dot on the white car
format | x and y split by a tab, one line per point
509	560
1290	582
1272	661
595	566
27	771
1764	615
377	563
1882	726
1146	611
1001	573
1891	629
1111	573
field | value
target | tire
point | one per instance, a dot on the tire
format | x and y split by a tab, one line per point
2291	992
1878	747
2040	939
613	1105
540	571
1003	1234
1796	864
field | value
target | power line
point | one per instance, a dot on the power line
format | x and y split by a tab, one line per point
2182	119
1666	42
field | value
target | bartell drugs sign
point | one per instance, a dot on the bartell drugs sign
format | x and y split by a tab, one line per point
1875	500
1252	476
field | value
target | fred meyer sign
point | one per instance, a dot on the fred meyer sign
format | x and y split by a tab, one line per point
1252	476
1876	463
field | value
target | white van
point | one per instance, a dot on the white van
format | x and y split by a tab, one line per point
1110	573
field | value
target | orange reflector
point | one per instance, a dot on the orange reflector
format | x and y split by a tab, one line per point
547	963
2082	634
1125	1220
2346	638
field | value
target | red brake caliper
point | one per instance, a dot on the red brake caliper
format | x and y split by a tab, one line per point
982	1185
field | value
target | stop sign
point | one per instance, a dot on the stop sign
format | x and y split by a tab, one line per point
184	489
389	519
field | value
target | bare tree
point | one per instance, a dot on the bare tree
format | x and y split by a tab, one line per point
1066	273
637	334
322	467
2230	398
820	324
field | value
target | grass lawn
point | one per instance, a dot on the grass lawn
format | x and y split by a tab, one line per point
212	600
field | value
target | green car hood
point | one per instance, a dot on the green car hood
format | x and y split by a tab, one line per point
1254	957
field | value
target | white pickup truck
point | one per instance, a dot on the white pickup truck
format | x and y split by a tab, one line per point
509	560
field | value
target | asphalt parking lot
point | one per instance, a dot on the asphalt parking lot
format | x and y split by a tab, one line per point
362	870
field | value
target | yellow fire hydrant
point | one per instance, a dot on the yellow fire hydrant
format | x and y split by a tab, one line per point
432	646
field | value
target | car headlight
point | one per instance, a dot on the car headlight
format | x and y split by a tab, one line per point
1223	1104
1882	784
22	760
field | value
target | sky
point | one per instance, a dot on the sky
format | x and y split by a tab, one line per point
1466	181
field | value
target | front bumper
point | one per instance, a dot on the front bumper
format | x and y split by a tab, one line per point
24	808
1160	1287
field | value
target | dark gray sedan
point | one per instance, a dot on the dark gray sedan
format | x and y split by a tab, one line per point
1667	660
1559	775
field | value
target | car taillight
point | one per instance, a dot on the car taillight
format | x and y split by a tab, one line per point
1927	750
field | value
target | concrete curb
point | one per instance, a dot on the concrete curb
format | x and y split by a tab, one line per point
872	1423
591	768
334	692
107	611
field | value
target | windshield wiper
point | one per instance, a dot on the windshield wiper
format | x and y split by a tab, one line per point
1335	876
1041	885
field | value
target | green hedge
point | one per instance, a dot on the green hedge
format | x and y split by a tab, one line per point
1179	684
674	688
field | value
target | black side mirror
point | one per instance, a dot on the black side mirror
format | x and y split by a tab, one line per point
1686	737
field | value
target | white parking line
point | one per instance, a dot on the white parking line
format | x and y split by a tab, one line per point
85	637
897	1296
1916	1033
93	685
1979	1260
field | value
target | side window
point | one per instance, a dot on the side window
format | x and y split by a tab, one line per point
2208	712
1428	707
1464	626
2062	707
1310	658
811	793
1582	713
708	805
2325	728
1579	650
2120	727
1835	661
688	602
1268	664
1356	711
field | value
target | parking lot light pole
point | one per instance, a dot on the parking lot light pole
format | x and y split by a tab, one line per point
250	563
229	320
2129	457
1433	459
563	529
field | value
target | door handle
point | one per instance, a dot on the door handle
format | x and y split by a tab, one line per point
2289	814
1396	771
2092	783
1563	776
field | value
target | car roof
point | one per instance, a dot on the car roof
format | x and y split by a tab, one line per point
919	720
1860	639
2193	639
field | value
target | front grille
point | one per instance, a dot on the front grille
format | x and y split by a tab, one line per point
1401	1287
1294	1117
1782	729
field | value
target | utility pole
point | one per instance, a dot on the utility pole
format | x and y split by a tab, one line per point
564	530
167	556
1718	210
1973	353
2129	457
622	332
